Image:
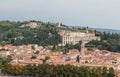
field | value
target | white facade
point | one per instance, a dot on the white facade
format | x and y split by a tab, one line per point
31	24
72	37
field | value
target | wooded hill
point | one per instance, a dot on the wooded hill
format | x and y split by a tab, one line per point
46	34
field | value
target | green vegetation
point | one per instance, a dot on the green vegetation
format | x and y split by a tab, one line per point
37	52
47	35
4	60
33	57
45	70
45	59
67	47
109	41
12	33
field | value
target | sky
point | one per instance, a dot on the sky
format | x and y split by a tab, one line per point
91	13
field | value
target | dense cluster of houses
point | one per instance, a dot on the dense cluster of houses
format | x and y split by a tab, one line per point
96	58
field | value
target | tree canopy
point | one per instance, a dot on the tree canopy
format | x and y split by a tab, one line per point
45	70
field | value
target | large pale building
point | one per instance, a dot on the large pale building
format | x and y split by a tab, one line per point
73	37
31	24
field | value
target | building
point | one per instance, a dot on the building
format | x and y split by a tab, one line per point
117	73
31	24
73	37
58	24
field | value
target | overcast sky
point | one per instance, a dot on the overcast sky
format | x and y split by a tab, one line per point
91	13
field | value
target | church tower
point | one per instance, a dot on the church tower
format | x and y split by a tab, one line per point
82	48
84	41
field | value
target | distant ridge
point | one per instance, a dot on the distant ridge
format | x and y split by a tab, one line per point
100	29
106	30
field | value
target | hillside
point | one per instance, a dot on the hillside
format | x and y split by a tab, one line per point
32	32
13	33
46	34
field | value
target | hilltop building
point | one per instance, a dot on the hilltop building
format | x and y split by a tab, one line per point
73	37
31	24
58	24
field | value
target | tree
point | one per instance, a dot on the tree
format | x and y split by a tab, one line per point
4	60
33	57
45	59
111	72
54	47
104	72
37	52
78	58
47	70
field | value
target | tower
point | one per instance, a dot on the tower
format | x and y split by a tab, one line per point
82	48
58	24
84	41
